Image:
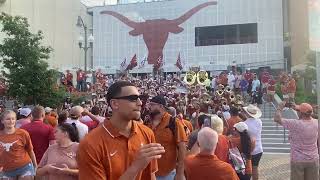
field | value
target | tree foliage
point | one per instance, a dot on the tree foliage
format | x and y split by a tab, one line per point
22	54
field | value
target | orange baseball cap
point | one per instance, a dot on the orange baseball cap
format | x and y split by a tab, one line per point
304	108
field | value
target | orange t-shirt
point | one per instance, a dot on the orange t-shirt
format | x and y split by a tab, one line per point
205	167
14	150
222	148
231	122
165	137
105	154
236	141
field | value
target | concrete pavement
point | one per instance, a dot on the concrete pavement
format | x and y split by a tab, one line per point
275	167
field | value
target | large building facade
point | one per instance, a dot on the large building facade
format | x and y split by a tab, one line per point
247	32
57	20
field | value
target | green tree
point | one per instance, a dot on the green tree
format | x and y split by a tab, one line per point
28	76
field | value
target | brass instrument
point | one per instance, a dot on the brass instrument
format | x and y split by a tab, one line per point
202	76
205	98
224	101
227	89
219	93
190	77
232	97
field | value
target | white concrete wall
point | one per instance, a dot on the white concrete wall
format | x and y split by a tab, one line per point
114	43
57	20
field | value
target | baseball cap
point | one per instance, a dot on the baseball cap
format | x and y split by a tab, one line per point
241	126
47	109
159	100
25	111
304	108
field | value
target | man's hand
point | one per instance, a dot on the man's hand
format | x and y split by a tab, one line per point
85	112
146	154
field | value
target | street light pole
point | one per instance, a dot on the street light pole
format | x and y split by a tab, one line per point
80	23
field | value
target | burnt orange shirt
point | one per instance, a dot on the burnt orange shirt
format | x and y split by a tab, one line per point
105	154
14	150
205	167
165	137
222	148
231	122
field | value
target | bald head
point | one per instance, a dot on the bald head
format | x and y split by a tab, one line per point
75	112
207	139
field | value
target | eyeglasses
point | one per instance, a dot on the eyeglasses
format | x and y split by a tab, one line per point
131	98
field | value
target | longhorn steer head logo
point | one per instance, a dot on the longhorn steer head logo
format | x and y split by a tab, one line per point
155	32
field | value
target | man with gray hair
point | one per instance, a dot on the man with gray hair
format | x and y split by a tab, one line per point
205	165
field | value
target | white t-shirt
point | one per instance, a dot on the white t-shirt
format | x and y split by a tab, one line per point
254	130
82	128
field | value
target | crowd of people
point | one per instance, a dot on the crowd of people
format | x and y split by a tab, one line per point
149	128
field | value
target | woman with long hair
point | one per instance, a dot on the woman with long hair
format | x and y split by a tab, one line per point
17	159
241	139
59	161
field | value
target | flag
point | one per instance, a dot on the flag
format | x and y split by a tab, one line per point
143	62
178	63
159	63
123	64
133	63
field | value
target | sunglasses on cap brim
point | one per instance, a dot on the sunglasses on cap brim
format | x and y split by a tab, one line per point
130	98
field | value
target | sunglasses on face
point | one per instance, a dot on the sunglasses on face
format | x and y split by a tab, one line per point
131	98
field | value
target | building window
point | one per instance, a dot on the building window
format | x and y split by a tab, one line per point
227	34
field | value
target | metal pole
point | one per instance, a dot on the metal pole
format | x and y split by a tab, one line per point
85	48
318	92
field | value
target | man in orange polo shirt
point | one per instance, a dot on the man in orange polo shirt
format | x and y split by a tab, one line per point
120	148
172	139
205	165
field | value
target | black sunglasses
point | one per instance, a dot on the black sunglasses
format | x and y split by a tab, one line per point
131	98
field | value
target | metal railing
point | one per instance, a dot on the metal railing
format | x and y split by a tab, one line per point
274	105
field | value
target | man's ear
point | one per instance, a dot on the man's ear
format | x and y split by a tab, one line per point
114	104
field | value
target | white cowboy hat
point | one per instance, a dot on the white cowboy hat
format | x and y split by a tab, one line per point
253	111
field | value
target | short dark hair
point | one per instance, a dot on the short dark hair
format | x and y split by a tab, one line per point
234	111
201	119
72	131
95	110
115	89
63	116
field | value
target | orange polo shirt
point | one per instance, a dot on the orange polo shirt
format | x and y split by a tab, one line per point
164	136
205	167
105	154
